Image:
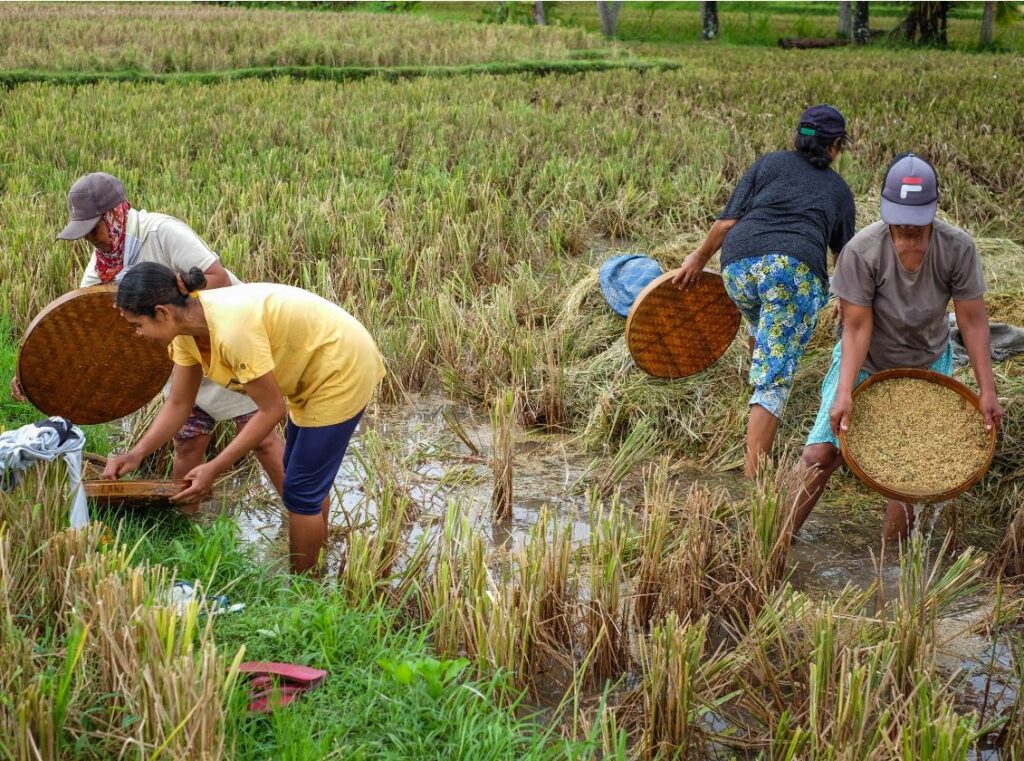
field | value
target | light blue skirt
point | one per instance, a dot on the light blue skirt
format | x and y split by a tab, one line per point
821	431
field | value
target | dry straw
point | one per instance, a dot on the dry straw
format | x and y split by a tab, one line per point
503	415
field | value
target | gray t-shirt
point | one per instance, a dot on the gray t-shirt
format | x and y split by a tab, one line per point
909	308
786	206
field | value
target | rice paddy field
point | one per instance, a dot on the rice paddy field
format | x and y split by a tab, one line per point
538	550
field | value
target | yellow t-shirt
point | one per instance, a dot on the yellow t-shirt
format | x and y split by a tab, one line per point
323	359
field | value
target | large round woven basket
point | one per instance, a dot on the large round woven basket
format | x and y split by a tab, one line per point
80	359
140	493
919	497
672	333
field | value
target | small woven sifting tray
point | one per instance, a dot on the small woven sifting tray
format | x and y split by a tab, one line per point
135	494
905	448
80	359
673	333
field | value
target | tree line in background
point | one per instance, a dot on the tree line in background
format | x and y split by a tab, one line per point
925	23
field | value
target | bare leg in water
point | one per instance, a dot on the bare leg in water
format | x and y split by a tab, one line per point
761	429
899	520
816	466
307	536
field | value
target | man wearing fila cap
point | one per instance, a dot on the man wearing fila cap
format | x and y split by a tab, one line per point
122	237
895	279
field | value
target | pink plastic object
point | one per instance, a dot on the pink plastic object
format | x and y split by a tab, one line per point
274	685
290	672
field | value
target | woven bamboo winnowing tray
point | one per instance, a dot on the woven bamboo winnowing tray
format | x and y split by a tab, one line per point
931	376
135	494
80	359
672	333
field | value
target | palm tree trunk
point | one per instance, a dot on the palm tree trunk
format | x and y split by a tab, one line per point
861	32
539	16
988	16
925	23
844	29
609	16
709	19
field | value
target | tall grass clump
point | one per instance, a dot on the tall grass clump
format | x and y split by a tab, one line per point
606	609
708	553
764	536
476	608
444	591
832	679
927	588
683	684
377	563
656	517
503	414
96	656
1012	732
694	575
510	612
550	580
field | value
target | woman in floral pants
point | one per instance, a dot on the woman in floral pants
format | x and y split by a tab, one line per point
786	211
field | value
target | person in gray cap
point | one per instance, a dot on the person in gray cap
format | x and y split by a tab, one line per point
788	209
123	237
895	280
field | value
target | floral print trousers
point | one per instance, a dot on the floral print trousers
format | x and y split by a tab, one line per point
780	297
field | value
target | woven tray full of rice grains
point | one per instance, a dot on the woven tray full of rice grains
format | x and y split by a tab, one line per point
917	436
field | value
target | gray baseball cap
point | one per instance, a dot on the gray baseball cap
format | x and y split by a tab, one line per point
89	198
911	192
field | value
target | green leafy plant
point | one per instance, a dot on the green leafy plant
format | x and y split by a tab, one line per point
435	674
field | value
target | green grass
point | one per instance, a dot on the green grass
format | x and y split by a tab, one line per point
362	710
160	39
658	28
12	78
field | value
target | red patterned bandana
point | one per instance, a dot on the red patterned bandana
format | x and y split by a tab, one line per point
108	265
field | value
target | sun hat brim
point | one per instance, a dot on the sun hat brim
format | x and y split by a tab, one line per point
902	214
78	229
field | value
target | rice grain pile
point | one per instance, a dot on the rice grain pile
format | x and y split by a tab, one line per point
916	437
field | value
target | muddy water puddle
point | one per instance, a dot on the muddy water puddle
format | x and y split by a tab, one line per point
434	464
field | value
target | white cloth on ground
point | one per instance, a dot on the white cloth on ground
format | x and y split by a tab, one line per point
46	440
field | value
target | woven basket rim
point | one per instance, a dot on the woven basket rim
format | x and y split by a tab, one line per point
141	492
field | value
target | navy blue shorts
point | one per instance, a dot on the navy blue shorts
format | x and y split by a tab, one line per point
312	458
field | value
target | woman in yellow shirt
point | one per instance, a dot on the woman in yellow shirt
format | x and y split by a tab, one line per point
289	350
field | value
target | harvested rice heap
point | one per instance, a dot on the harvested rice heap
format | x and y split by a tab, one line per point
916	437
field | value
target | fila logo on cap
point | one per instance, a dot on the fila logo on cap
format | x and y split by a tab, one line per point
910	185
